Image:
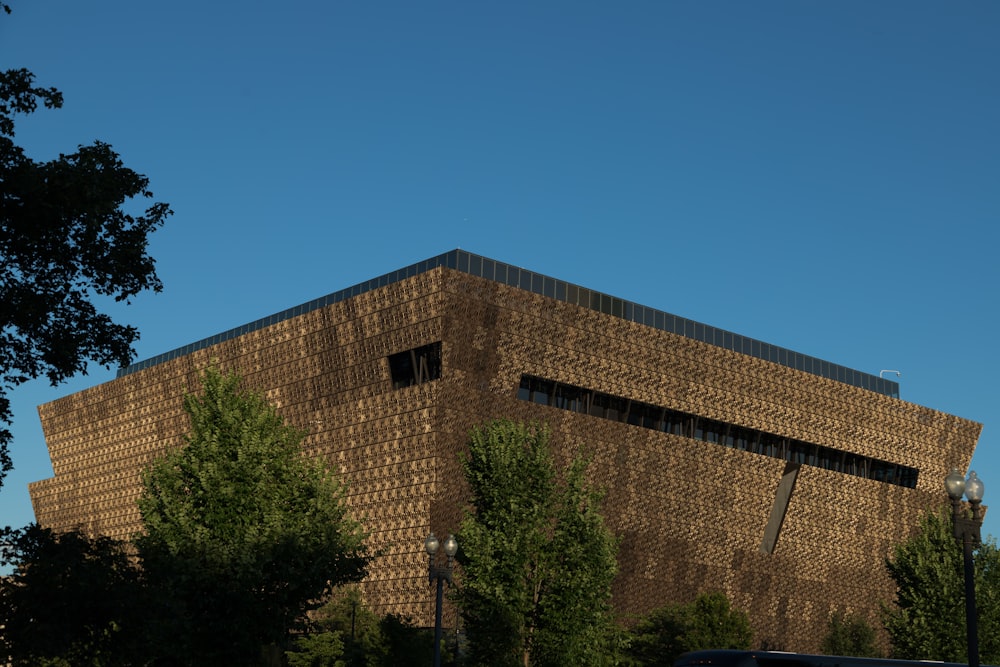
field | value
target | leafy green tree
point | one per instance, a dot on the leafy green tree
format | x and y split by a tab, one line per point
347	632
71	599
243	534
537	559
317	649
357	625
850	635
708	622
927	619
65	237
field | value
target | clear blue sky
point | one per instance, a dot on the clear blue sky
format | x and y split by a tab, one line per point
824	176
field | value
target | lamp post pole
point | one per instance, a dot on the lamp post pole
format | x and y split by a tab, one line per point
439	573
967	532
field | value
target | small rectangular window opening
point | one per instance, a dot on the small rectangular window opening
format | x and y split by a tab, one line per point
416	366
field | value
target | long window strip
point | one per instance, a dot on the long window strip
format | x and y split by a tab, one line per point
636	413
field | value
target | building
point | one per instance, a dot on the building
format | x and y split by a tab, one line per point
730	464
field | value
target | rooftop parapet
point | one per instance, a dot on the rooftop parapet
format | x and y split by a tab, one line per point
483	267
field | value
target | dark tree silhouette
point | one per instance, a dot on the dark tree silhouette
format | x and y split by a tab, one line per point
66	237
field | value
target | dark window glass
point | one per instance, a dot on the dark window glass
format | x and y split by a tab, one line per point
524	391
617	408
855	465
907	477
712	431
416	366
673	422
542	391
635	414
802	452
744	439
771	445
653	417
571	398
609	407
880	471
597	407
830	459
645	415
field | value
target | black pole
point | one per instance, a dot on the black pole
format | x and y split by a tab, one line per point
971	625
966	530
437	621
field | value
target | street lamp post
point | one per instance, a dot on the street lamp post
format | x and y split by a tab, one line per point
439	573
966	531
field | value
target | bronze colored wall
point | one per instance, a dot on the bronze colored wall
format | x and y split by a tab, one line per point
691	514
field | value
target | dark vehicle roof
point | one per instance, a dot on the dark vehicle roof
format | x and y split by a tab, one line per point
734	658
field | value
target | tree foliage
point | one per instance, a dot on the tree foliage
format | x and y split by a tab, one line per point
927	619
365	640
407	645
242	533
358	626
537	559
709	622
71	600
66	237
850	635
317	649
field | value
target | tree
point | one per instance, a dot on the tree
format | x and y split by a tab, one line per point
71	600
850	635
65	238
706	623
537	559
358	627
927	619
346	633
242	533
406	645
317	649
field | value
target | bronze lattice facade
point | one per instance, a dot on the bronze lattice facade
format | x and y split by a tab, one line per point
729	464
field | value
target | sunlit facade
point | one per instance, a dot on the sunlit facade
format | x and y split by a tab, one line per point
728	463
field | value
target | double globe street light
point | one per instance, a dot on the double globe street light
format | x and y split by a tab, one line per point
441	573
967	531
